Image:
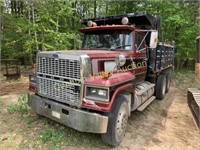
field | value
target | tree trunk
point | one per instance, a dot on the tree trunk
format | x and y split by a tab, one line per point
95	8
29	32
35	34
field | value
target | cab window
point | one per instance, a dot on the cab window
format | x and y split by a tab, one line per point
140	42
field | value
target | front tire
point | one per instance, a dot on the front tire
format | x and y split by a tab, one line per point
160	87
117	123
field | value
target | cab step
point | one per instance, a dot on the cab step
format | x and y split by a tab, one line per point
145	104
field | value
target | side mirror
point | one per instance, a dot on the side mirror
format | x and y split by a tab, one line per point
153	39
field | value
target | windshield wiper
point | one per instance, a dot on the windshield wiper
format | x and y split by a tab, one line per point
120	46
99	47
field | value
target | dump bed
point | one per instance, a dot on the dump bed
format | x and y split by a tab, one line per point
142	19
160	58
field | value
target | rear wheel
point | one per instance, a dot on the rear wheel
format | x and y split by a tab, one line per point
160	87
117	122
168	80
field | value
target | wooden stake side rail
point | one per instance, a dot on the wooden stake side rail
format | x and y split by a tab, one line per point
193	99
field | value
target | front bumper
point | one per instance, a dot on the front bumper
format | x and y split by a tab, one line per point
75	118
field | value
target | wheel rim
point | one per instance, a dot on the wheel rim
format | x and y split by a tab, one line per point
121	124
164	86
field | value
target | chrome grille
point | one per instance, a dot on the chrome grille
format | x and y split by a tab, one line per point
59	79
57	90
59	67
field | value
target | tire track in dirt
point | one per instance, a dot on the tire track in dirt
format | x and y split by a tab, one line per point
165	125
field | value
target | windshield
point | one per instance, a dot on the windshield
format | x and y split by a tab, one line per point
108	39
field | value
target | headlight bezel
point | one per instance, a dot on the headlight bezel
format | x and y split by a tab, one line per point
120	60
95	96
32	79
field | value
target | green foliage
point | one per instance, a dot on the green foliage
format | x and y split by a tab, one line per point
55	30
21	107
50	135
57	136
44	25
29	120
53	25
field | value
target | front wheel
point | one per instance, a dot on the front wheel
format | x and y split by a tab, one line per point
117	123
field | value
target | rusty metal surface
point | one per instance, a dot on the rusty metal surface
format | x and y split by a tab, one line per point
193	99
75	118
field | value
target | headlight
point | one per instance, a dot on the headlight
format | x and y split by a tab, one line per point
97	94
120	60
32	78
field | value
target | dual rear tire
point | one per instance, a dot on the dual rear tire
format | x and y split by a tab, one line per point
162	85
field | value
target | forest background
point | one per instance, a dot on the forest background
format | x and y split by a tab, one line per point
31	25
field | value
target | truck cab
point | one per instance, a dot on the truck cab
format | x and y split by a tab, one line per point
120	68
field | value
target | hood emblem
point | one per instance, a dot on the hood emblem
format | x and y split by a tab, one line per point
55	56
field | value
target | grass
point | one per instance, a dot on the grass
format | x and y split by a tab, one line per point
51	135
45	133
184	79
20	107
29	120
58	136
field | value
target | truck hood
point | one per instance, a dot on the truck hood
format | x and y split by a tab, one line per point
92	53
92	57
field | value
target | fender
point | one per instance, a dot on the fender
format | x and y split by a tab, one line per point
127	87
108	107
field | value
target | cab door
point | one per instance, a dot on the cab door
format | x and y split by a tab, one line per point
140	56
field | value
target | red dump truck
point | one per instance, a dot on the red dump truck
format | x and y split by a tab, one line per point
122	67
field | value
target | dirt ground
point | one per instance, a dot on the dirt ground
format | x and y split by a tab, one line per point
163	125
